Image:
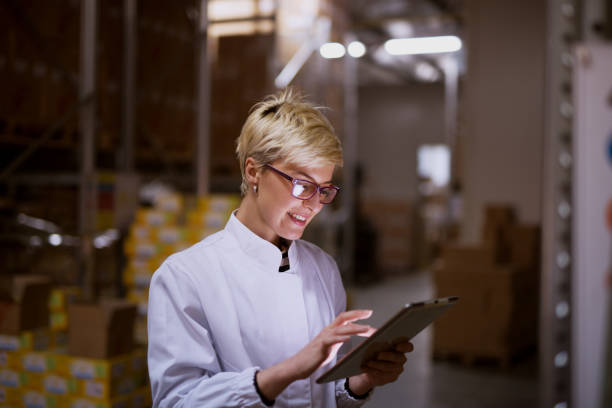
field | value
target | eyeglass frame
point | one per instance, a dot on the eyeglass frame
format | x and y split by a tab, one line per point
293	181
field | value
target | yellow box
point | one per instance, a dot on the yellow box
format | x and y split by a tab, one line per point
155	218
20	379
208	220
37	399
138	278
170	202
38	340
59	339
140	296
80	402
59	385
10	359
9	396
61	296
58	320
171	234
141	335
218	203
10	378
93	369
106	389
40	362
139	232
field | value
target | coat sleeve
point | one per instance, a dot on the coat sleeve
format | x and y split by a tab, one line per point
183	366
343	399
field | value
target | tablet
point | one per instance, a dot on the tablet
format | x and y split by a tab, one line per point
403	326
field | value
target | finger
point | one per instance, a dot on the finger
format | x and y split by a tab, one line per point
335	339
369	332
353	329
351	316
406	347
391	356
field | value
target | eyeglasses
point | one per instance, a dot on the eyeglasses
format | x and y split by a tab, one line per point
305	190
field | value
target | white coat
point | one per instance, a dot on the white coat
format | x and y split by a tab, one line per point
220	310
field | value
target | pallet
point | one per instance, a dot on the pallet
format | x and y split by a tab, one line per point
502	358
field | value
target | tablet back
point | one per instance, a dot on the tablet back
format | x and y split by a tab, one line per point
403	326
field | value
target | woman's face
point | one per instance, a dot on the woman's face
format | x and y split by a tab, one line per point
279	213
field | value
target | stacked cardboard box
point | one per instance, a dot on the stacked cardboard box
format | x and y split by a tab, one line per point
172	224
497	283
392	220
42	364
30	378
59	299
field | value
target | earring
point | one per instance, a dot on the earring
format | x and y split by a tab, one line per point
255	188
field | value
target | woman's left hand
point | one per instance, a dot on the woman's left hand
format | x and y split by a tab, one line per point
386	367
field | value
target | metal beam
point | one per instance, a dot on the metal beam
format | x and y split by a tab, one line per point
350	144
555	283
87	124
130	38
203	108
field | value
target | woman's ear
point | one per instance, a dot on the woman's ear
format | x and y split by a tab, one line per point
252	171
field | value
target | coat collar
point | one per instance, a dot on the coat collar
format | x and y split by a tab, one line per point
261	251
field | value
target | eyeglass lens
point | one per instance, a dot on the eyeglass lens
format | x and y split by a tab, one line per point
304	190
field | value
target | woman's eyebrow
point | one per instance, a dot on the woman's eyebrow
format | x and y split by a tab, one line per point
312	179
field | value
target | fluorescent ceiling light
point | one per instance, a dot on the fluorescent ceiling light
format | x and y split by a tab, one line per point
425	72
423	45
239	9
240	28
332	50
356	49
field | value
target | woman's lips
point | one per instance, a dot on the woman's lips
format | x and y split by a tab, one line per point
298	219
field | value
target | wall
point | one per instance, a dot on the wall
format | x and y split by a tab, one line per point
393	122
501	141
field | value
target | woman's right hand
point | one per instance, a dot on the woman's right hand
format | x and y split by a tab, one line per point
324	347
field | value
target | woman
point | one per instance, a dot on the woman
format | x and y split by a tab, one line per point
250	316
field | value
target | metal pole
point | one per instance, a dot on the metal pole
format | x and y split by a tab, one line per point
87	199
130	10
351	93
451	78
203	109
557	265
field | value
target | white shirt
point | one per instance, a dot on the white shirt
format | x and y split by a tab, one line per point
221	310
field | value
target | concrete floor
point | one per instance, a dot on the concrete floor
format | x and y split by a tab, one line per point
433	384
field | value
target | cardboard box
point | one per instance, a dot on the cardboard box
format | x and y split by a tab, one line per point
10	359
59	385
525	246
39	340
24	303
40	399
497	314
15	379
39	362
61	296
80	402
101	330
499	214
94	369
110	388
469	257
9	396
141	398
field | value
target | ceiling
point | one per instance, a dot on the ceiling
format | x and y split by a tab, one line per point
374	22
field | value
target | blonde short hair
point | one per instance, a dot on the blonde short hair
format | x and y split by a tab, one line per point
285	126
